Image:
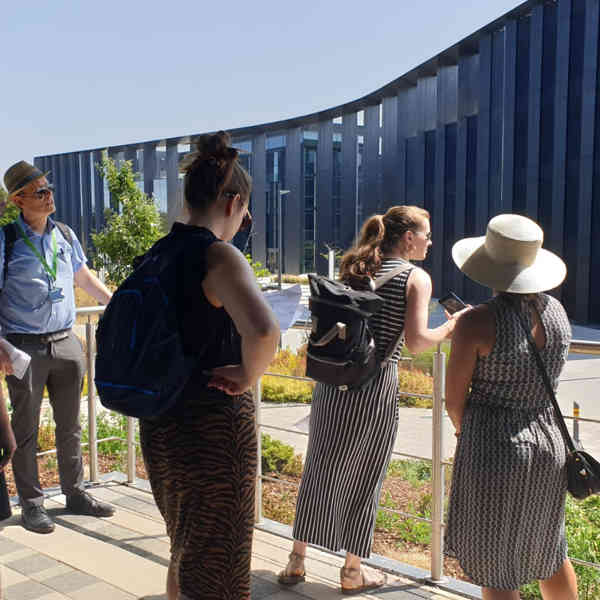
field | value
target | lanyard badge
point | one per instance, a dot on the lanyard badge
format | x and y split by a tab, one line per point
55	294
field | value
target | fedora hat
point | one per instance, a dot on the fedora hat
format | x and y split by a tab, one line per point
510	257
19	175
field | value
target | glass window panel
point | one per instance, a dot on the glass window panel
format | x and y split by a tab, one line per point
276	141
360	118
338	120
310	135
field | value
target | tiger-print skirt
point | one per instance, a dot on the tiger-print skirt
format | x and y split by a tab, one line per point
202	470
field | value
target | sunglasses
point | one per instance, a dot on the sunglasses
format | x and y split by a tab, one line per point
41	193
427	235
246	223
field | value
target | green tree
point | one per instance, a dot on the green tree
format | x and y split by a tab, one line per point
257	267
131	229
8	210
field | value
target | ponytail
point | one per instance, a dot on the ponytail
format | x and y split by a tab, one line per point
363	260
379	235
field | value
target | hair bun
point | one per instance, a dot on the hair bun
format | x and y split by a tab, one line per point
216	146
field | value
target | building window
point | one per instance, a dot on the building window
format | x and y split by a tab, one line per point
337	120
309	163
275	181
310	135
276	141
360	145
336	192
243	145
360	118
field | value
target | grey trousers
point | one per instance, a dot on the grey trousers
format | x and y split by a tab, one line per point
59	365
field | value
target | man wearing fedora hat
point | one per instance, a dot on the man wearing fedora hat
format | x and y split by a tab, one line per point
40	259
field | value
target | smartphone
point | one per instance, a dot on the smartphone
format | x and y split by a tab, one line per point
452	303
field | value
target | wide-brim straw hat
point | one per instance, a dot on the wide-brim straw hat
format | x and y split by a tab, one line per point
510	257
20	175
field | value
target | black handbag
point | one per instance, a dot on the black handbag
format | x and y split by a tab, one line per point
583	470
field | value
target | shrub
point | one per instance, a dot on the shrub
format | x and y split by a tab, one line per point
46	436
423	361
418	382
294	278
109	424
416	472
257	267
279	457
282	391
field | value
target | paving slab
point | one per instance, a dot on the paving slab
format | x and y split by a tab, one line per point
125	558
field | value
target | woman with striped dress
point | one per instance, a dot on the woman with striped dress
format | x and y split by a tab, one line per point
352	433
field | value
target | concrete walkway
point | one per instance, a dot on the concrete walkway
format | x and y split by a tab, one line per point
125	558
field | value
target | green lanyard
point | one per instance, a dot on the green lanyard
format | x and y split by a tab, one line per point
50	270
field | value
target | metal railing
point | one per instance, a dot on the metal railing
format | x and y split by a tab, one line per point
437	461
438	464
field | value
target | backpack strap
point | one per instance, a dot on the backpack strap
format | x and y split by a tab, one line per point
66	232
379	282
10	237
383	279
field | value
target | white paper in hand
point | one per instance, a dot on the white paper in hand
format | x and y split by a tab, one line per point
20	360
285	305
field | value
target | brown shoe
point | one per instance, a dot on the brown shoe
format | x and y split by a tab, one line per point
294	571
368	579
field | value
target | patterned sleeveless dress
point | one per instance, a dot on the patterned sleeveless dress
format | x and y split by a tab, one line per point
201	457
506	513
351	437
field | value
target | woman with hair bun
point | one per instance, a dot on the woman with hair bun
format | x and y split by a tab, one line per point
352	433
201	456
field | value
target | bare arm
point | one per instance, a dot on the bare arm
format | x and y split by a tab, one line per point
473	337
417	333
87	281
231	283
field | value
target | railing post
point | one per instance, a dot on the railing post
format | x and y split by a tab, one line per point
258	516
130	450
330	263
437	466
576	415
92	433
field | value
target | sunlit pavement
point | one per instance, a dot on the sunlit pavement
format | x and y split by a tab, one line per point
125	558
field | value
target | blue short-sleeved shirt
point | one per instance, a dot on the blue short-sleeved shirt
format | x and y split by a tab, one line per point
25	306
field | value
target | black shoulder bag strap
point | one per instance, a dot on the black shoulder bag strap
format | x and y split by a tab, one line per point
10	237
540	363
583	470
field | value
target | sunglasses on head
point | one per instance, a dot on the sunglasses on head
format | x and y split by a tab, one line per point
41	192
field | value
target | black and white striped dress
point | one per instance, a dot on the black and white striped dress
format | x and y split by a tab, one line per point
351	438
507	504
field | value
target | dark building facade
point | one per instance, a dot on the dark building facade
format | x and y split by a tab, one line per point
506	120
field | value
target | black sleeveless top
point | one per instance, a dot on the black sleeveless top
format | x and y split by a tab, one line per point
207	332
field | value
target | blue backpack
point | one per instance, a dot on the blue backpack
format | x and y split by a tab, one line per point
141	367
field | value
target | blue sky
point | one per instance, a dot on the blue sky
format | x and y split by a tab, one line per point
80	74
